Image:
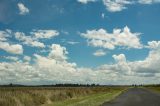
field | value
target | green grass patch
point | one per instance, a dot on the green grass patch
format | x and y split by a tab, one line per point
57	96
89	100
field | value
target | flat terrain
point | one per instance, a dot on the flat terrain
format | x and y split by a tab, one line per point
57	96
136	97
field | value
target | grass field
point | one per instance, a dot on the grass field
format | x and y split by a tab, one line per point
57	96
156	89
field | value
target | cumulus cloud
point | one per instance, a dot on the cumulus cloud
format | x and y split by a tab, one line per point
116	5
148	1
99	52
45	33
86	1
119	5
28	40
5	34
33	38
11	48
23	10
52	70
119	58
55	68
147	67
13	58
27	58
119	38
153	44
58	52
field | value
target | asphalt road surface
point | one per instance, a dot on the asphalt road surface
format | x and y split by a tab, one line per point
136	97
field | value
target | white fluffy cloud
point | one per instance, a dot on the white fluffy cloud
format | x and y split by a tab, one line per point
8	47
54	68
11	48
153	44
116	5
58	52
86	1
28	40
119	58
23	10
5	34
45	33
13	58
119	5
33	38
148	1
119	38
99	52
27	58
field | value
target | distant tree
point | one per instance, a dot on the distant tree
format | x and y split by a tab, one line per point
10	84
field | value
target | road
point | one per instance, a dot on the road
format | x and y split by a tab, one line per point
136	97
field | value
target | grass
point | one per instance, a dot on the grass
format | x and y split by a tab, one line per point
57	96
156	89
89	100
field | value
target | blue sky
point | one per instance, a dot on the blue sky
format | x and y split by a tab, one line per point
99	40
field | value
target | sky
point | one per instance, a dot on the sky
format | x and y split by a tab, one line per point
79	41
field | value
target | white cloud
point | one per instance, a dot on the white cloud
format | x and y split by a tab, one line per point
13	58
86	1
99	52
5	34
45	33
58	52
120	38
28	40
119	5
119	58
116	5
153	44
149	66
11	48
148	1
32	39
72	42
27	58
23	10
56	69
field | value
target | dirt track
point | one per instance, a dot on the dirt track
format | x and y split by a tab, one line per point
136	97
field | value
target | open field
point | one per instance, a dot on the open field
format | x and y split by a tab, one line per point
154	88
57	96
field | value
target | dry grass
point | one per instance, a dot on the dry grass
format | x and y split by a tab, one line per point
154	88
36	96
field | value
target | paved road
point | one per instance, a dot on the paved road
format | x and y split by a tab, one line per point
136	97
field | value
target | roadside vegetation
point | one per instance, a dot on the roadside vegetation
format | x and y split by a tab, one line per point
57	96
155	88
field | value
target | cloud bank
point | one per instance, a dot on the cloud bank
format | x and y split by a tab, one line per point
54	67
